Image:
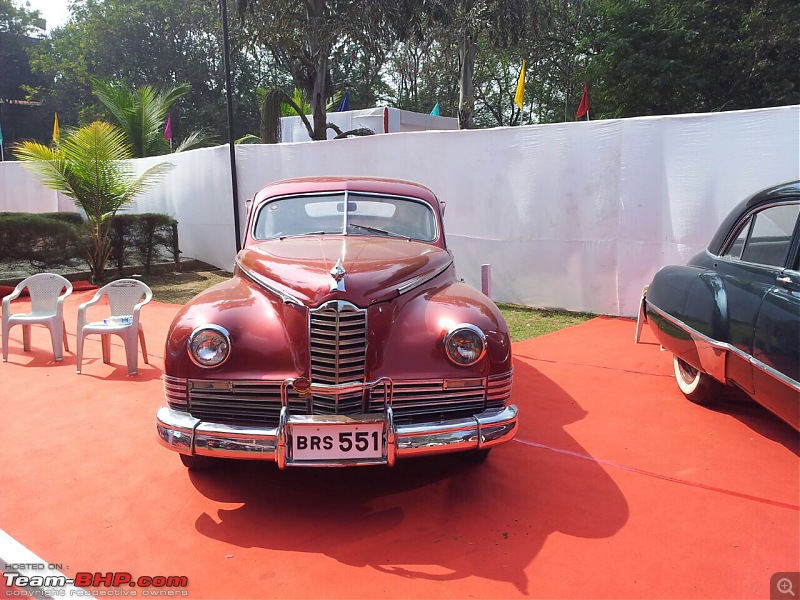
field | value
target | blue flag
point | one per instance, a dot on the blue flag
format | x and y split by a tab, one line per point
1	135
345	102
435	111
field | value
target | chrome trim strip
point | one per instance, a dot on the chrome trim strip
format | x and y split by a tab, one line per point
726	347
264	283
418	281
641	318
182	433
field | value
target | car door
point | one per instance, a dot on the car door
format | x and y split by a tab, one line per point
776	343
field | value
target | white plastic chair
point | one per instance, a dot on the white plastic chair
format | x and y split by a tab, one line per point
125	298
47	308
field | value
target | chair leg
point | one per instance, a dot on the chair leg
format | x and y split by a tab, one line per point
80	348
131	354
57	339
144	346
106	342
6	327
64	332
26	338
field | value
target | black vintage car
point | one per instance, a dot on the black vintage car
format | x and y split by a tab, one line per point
732	315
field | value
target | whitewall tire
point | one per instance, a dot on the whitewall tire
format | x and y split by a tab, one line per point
697	386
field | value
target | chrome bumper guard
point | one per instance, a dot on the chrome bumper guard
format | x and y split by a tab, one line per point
181	432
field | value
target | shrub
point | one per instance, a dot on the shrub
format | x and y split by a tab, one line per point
42	240
143	238
48	240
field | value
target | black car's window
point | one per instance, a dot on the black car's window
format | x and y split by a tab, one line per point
387	216
766	237
735	251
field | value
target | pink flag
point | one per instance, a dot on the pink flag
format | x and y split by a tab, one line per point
168	129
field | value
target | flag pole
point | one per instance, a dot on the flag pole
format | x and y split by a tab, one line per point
226	50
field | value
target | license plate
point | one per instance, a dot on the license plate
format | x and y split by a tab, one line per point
337	441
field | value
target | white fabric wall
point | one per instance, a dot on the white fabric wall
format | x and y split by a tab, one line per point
574	215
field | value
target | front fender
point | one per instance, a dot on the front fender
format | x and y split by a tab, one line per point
267	335
407	335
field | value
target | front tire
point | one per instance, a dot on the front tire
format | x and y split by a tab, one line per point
697	386
475	456
198	463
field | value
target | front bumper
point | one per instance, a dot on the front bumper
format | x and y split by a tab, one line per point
179	431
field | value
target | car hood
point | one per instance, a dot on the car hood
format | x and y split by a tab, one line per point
375	269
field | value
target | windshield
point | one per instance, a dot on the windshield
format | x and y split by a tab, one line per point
365	214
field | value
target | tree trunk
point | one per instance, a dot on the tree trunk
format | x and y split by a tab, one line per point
466	82
319	70
318	99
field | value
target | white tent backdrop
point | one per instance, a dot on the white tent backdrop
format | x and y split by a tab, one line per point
574	215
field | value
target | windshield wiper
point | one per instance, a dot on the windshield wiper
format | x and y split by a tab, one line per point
283	237
379	231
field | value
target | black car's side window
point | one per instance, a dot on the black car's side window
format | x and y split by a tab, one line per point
766	237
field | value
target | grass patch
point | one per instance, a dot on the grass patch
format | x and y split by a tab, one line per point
523	322
179	288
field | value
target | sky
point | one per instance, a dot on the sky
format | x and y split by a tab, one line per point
56	12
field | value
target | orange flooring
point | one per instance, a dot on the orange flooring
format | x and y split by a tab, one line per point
616	486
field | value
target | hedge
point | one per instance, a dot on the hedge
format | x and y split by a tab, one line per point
42	240
47	240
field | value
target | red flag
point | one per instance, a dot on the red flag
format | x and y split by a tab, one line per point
583	109
168	129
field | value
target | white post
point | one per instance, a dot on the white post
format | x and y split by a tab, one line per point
486	280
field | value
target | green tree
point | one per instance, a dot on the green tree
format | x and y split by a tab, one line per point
423	72
467	25
142	115
159	43
21	30
91	166
308	39
648	57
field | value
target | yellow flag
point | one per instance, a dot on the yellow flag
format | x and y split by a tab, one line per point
519	97
56	134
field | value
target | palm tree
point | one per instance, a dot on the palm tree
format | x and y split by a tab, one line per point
91	166
142	113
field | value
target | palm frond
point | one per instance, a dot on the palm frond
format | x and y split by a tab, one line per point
197	139
248	138
146	180
47	163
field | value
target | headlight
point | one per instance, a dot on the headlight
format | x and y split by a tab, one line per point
465	344
209	346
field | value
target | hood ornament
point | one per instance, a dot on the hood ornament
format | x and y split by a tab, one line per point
337	273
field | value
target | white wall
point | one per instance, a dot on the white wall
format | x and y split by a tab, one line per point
379	120
574	215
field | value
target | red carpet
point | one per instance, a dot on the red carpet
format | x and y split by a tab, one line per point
615	487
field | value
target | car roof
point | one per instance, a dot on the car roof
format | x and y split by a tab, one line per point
381	185
778	193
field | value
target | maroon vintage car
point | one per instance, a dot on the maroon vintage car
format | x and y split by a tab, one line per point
343	338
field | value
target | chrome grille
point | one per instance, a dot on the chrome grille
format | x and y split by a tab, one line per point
338	347
433	400
175	392
499	390
240	402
